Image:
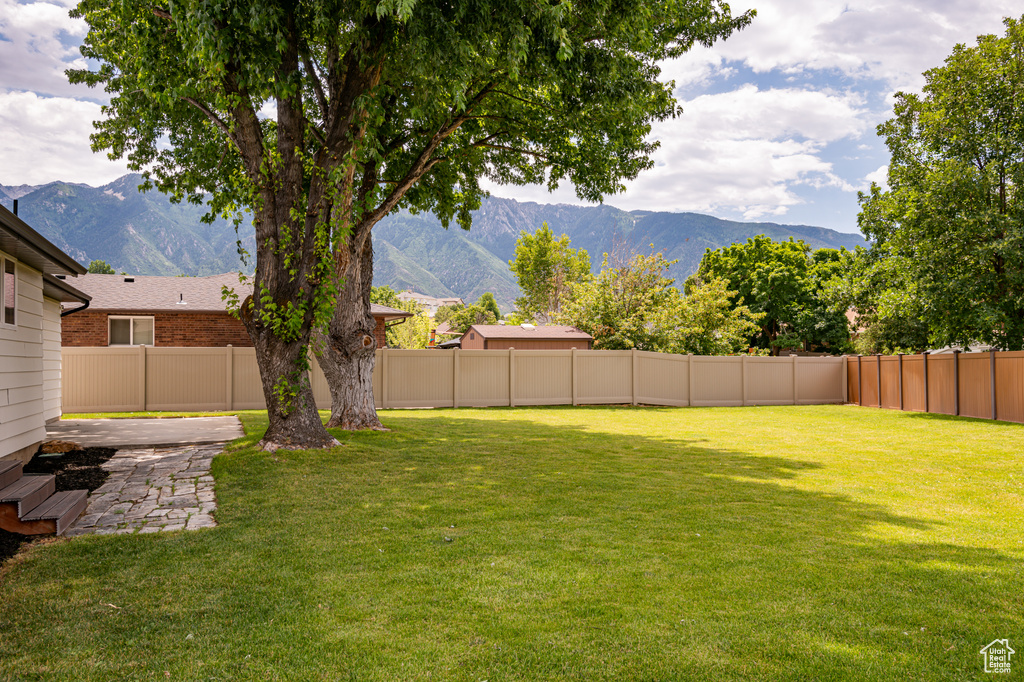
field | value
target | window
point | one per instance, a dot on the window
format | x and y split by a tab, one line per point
130	331
9	292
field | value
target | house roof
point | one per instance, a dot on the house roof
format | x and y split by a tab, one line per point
445	329
512	331
178	294
59	290
32	248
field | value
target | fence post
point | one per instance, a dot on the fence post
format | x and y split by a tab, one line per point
511	377
689	378
743	379
846	379
956	383
142	378
384	378
900	356
455	377
924	359
878	371
796	392
574	391
992	371
860	381
636	374
229	398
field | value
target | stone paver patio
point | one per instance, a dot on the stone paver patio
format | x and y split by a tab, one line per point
153	489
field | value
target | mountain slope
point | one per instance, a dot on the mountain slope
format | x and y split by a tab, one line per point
146	234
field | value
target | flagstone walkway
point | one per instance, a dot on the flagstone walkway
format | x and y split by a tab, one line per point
152	489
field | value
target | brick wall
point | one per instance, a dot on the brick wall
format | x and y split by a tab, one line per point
195	330
202	330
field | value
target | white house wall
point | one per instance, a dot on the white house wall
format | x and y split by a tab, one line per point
51	359
22	424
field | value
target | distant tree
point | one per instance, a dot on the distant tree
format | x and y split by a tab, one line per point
385	295
948	232
887	308
445	312
464	318
783	282
488	303
413	332
99	267
634	305
711	324
545	268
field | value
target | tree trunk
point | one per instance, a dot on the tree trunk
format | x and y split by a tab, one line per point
347	353
294	420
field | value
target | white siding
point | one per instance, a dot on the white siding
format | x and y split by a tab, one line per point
51	359
21	368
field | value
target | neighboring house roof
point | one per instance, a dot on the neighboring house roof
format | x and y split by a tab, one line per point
451	343
529	331
388	313
177	294
445	329
31	248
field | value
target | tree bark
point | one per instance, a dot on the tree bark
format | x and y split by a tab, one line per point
347	353
294	420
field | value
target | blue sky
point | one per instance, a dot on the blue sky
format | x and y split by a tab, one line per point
778	125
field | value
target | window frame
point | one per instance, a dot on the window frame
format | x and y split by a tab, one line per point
131	330
4	259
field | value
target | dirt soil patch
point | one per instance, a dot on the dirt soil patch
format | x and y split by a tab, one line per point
74	470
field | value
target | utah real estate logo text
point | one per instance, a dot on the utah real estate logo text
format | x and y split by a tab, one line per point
997	656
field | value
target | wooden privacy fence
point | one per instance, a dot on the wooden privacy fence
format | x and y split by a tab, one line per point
141	378
983	385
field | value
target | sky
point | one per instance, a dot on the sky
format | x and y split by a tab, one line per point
779	121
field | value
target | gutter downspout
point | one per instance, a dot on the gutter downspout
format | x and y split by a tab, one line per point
71	311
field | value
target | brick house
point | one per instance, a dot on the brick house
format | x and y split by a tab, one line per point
525	337
170	311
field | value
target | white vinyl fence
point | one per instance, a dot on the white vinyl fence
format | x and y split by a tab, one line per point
141	378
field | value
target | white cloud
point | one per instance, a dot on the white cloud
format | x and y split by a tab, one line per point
742	152
47	139
882	39
880	177
32	53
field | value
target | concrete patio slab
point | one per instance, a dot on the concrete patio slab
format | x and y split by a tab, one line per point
134	433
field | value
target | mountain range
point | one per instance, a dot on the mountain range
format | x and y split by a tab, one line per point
146	234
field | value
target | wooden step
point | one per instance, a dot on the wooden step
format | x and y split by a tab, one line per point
28	492
10	471
60	509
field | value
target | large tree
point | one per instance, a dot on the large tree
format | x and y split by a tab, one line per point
322	117
951	222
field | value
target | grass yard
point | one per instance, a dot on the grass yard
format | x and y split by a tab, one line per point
797	543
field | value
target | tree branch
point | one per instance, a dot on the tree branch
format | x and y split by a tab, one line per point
215	119
314	77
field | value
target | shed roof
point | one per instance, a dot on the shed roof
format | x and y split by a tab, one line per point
178	294
515	331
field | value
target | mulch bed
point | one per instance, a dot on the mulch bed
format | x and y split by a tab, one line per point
74	470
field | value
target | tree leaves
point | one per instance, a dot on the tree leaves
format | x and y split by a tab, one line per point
952	220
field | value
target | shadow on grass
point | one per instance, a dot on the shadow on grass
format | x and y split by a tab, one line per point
469	548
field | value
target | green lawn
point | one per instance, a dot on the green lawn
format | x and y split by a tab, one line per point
823	542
